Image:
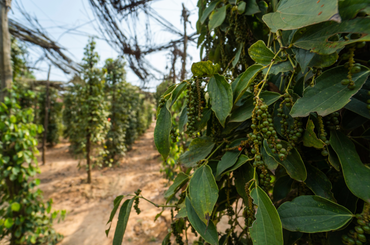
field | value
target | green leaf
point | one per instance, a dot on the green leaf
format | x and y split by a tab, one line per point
261	54
252	7
318	183
309	137
241	161
349	9
217	17
241	7
245	80
355	173
237	55
245	111
242	177
293	163
124	214
279	67
294	14
303	57
267	228
282	187
229	158
221	97
183	118
322	61
208	11
204	69
116	203
15	206
178	90
179	181
328	95
316	38
267	159
167	239
333	158
162	132
203	192
290	237
209	233
8	223
313	214
358	103
198	150
344	196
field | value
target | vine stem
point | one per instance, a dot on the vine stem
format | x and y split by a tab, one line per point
290	81
218	147
156	205
268	71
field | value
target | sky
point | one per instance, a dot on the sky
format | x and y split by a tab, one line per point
58	16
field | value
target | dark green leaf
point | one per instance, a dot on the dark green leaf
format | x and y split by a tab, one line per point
116	203
349	9
208	11
293	163
209	233
229	158
323	61
355	173
237	55
303	57
328	95
344	196
203	192
198	150
318	183
294	14
279	67
244	81
252	7
333	159
217	17
261	54
242	177
124	214
183	118
282	187
241	161
204	69
316	37
245	111
267	159
178	90
267	228
179	181
312	214
221	97
167	239
162	132
309	137
358	103
291	237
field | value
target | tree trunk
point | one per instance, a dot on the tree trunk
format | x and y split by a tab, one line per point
6	74
88	149
46	119
185	16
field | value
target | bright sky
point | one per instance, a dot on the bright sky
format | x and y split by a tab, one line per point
57	16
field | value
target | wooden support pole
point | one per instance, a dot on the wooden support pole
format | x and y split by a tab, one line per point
6	74
46	119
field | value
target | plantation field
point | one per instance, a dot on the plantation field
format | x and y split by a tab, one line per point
88	206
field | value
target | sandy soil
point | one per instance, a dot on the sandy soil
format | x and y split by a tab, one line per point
88	206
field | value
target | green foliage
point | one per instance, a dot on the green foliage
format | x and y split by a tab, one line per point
23	214
280	132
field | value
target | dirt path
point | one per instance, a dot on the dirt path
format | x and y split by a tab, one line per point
89	206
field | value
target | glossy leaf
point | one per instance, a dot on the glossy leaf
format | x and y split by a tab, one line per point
293	163
358	103
240	162
312	214
245	111
267	228
209	233
204	68
203	192
245	80
267	159
349	9
198	150
294	14
162	132
116	203
183	118
124	214
179	181
221	97
217	17
355	173
328	95
177	91
318	183
208	11
316	37
309	137
261	54
237	55
251	7
229	158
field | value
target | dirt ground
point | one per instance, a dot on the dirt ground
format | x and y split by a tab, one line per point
88	206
